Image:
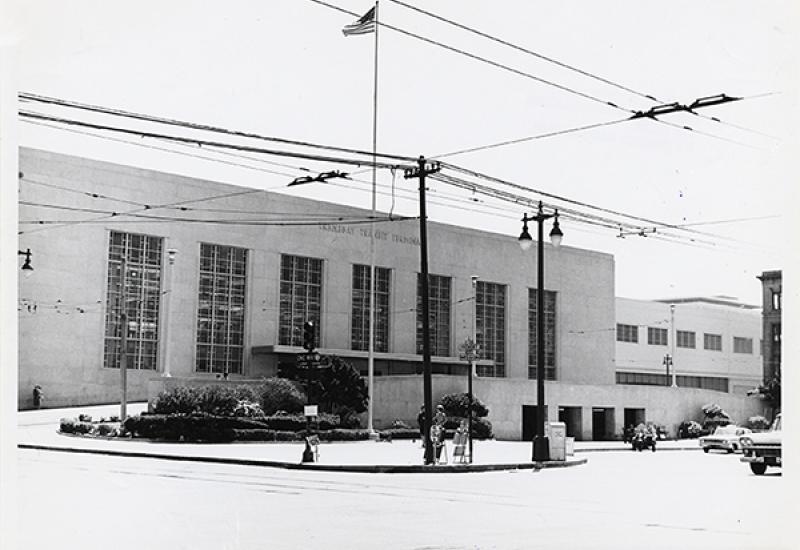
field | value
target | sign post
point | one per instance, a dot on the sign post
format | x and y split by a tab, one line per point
469	352
309	362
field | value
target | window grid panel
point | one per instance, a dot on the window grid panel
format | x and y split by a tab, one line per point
627	333
657	336
438	314
712	342
137	292
742	345
359	334
685	339
549	334
221	309
490	327
300	298
684	381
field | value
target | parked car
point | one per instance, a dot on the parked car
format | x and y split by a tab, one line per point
725	438
763	449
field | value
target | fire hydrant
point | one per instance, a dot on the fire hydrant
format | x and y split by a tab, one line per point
37	396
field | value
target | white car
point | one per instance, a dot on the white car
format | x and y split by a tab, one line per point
763	449
725	438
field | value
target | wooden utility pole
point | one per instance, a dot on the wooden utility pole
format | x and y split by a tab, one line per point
424	168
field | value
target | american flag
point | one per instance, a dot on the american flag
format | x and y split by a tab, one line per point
364	25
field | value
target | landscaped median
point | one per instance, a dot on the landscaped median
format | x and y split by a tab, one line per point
217	424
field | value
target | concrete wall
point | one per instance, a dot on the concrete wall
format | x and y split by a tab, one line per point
401	397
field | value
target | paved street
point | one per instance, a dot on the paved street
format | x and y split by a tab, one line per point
679	499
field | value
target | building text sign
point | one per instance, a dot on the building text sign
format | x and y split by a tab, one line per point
365	232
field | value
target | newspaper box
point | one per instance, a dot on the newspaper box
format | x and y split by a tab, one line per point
557	436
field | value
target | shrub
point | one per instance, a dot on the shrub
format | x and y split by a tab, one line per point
196	427
339	387
343	435
106	430
457	404
481	427
297	422
72	426
398	424
265	435
280	394
248	409
400	433
714	417
757	423
84	418
219	400
179	400
689	429
214	399
349	418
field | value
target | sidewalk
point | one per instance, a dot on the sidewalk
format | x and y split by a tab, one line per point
39	430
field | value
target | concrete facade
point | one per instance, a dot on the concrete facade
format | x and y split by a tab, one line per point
63	305
505	398
724	318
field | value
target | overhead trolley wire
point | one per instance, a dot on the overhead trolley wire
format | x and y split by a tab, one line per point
531	138
223	145
525	50
196	126
165	149
554	61
500	181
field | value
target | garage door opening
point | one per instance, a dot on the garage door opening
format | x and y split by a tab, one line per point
602	424
572	417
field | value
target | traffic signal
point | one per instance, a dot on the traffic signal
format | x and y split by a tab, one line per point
309	335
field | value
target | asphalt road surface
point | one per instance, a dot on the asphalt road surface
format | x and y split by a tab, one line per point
670	500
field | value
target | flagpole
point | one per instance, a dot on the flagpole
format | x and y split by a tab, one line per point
371	352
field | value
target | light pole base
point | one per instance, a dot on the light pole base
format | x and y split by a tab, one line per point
374	435
541	448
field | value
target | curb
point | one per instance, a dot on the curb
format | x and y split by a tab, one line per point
366	468
612	449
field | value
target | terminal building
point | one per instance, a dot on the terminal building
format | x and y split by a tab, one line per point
202	299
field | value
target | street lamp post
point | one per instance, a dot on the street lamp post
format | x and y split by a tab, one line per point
170	302
672	344
541	445
27	268
472	361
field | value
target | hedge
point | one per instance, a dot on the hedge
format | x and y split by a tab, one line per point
72	426
279	435
211	399
265	435
202	427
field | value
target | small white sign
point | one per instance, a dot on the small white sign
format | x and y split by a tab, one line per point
310	410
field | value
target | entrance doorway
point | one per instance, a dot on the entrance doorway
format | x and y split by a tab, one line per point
602	424
529	421
572	417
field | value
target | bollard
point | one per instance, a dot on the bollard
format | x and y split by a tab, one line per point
37	396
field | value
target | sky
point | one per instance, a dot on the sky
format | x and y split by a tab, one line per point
283	68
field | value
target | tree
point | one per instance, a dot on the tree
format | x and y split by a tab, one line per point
770	391
457	404
715	416
280	394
